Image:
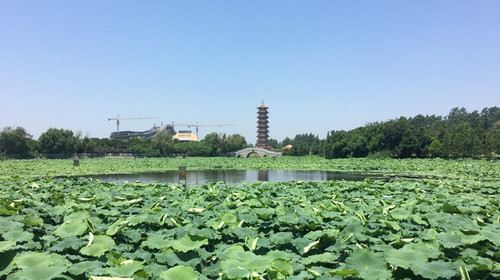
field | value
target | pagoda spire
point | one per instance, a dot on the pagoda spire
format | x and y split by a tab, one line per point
263	127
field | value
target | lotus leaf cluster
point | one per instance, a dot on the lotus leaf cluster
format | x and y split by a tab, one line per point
80	228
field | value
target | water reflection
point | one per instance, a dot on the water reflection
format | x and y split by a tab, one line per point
234	176
263	175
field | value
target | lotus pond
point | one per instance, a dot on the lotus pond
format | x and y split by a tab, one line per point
455	169
198	177
80	228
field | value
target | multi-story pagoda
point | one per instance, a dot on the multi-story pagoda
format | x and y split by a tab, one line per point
262	127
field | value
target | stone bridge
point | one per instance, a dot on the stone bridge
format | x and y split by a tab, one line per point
261	152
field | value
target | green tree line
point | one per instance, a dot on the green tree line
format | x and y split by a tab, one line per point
301	144
54	142
460	134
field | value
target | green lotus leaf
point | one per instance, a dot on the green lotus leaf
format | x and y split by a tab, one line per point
156	241
318	272
34	259
115	257
254	262
405	257
392	225
6	209
7	225
344	272
71	228
233	269
492	235
137	219
370	265
484	263
436	269
57	210
232	252
34	265
314	235
229	218
448	208
134	235
326	257
116	226
33	220
289	218
40	273
418	220
88	266
430	250
100	245
469	253
251	243
154	270
125	269
264	213
301	243
435	219
179	272
243	232
72	242
355	228
282	266
253	203
80	215
173	258
139	254
470	238
7	245
236	262
189	242
449	239
430	234
279	255
18	235
464	224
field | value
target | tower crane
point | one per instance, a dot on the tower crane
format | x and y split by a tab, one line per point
198	125
137	118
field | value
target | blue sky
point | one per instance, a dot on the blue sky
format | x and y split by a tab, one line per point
318	65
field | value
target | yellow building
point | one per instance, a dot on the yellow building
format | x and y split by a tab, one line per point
185	136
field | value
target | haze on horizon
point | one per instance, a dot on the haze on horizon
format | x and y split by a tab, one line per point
319	66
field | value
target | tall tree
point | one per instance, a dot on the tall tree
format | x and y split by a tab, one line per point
214	142
303	144
15	141
436	148
235	142
57	142
274	143
163	142
462	140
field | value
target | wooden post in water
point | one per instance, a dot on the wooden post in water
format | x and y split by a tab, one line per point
76	161
182	176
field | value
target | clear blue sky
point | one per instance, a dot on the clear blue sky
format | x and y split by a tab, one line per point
318	65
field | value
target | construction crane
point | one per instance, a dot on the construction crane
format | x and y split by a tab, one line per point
197	125
137	118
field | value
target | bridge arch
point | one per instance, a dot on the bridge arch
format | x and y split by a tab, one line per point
261	152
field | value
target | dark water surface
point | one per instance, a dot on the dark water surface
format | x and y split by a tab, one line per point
234	176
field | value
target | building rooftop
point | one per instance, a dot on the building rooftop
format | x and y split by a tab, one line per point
185	136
